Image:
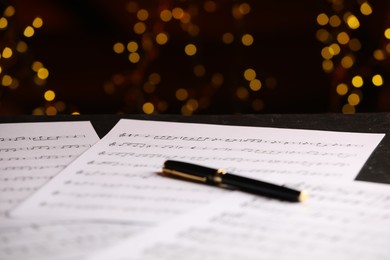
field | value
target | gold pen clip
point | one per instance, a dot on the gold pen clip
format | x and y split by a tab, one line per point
185	175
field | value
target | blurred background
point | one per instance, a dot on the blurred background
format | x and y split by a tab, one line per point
194	56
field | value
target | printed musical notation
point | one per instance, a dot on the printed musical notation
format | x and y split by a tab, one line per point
25	165
347	221
31	154
118	170
40	138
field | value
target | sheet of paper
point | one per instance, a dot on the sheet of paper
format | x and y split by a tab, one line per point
65	240
117	179
339	222
33	153
30	155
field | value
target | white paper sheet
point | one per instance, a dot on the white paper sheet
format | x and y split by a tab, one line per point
61	240
33	153
30	155
339	222
117	178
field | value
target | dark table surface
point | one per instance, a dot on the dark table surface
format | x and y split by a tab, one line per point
377	168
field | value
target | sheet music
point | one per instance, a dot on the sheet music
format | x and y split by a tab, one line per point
33	153
30	155
61	240
117	179
342	222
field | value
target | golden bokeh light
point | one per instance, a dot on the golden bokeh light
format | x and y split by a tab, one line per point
37	23
334	49
353	99
357	81
38	111
327	66
249	74
148	108
354	44
247	39
322	19
181	94
347	61
139	28
192	105
348	109
28	31
7	53
343	38
227	38
186	18
342	89
132	46
119	47
387	33
377	80
165	15
6	80
353	22
21	47
379	55
142	14
365	8
49	95
255	85
161	38
190	49
323	35
177	13
134	57
334	21
3	23
51	111
9	11
326	53
36	65
43	73
244	8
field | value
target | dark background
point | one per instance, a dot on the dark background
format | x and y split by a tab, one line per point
76	45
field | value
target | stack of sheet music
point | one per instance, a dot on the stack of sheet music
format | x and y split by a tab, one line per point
65	194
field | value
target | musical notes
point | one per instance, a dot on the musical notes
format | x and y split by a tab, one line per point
40	138
113	179
348	221
25	165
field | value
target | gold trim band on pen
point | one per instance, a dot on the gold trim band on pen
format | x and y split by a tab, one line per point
185	175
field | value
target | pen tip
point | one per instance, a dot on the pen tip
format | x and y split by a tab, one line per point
303	196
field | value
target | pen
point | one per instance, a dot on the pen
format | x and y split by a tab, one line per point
221	177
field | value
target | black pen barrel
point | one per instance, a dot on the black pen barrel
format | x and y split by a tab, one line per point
261	188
